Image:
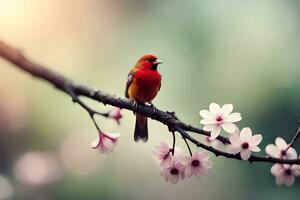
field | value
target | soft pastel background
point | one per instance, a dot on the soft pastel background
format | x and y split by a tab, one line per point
240	52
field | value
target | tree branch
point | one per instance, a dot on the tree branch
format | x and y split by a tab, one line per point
66	85
296	136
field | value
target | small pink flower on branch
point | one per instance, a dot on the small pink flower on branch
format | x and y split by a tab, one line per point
285	174
174	172
115	114
163	154
198	164
244	143
105	142
219	117
281	150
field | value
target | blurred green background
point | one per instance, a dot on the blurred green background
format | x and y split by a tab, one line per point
240	52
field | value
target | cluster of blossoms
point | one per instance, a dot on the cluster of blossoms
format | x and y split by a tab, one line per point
179	166
217	118
244	143
176	166
284	174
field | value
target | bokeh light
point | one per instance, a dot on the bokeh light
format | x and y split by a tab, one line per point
6	188
37	169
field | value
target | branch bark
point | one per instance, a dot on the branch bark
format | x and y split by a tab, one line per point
74	90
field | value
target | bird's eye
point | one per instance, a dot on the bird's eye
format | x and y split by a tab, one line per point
150	60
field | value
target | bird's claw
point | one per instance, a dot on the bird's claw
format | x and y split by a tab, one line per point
134	105
154	109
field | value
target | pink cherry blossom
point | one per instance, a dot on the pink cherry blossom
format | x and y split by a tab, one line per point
174	172
115	114
219	117
279	150
244	143
105	142
163	154
198	164
285	174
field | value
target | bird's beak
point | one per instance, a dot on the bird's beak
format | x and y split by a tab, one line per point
157	62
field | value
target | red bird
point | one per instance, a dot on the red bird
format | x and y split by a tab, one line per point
142	86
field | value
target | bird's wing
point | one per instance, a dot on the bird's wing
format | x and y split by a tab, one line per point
129	81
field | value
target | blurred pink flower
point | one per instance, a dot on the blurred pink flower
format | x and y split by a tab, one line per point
279	150
198	164
217	118
115	114
105	142
174	172
163	154
244	143
285	174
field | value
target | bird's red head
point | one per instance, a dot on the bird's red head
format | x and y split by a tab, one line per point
148	61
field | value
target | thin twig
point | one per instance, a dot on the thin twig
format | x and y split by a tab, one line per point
296	136
174	141
188	146
90	111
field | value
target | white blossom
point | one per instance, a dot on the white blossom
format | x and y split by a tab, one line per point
219	117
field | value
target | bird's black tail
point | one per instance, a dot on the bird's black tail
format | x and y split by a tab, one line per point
141	128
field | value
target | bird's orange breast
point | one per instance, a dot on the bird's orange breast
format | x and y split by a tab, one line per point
145	86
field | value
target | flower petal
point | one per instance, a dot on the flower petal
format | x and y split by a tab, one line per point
234	117
246	134
289	180
207	121
296	170
214	108
107	146
291	153
112	136
280	143
206	114
272	150
280	180
233	149
207	164
167	161
245	154
215	132
209	127
174	179
235	139
229	127
164	145
254	148
226	109
276	170
255	140
203	155
95	143
188	170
